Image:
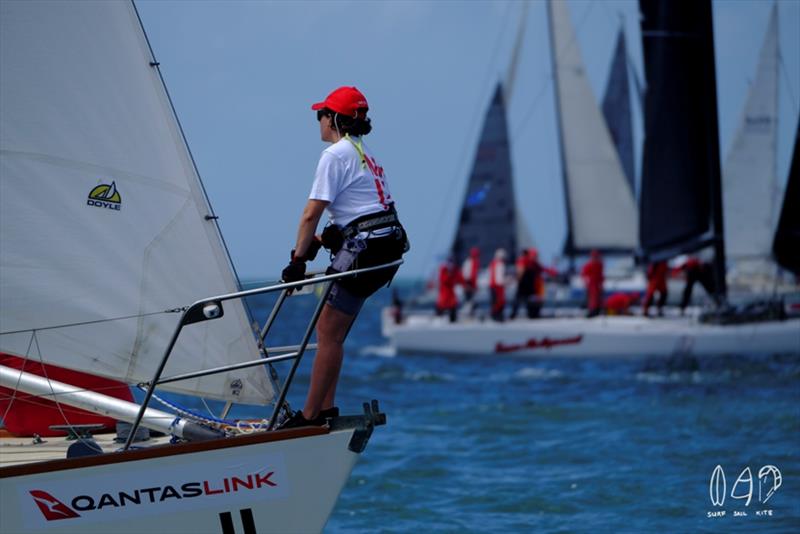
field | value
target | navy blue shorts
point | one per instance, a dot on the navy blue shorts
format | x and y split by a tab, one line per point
344	301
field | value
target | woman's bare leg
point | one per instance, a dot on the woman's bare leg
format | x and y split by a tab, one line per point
332	328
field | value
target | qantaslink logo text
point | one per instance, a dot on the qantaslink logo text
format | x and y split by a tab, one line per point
54	509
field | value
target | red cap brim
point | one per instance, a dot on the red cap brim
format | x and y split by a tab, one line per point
318	106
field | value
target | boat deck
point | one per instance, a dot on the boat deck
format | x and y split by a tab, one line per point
16	450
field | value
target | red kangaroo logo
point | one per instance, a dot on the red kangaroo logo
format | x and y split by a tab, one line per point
51	507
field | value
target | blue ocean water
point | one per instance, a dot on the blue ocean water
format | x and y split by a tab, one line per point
499	444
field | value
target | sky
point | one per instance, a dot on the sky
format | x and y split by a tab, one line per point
243	74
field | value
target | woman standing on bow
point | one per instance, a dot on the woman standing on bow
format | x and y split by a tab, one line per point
364	231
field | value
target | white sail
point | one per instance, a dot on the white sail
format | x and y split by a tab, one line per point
84	112
602	210
750	184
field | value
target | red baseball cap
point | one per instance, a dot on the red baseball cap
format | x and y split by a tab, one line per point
345	100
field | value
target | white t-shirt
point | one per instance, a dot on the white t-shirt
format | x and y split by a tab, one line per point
353	188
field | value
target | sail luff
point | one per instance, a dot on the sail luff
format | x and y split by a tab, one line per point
216	233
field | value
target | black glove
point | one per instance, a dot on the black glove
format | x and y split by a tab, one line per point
311	253
332	238
294	272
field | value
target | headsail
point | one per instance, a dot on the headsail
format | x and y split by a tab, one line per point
488	218
84	111
617	109
750	179
680	195
601	211
786	246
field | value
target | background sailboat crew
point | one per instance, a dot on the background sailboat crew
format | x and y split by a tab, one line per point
592	274
530	285
656	283
497	284
524	282
469	272
446	300
696	271
364	231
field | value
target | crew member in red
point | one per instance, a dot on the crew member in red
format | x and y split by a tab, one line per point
525	285
656	282
592	274
696	271
497	280
620	303
539	271
449	277
469	271
530	284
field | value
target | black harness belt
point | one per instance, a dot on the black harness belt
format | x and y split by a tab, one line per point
371	222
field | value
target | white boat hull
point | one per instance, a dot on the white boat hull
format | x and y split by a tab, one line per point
613	336
285	481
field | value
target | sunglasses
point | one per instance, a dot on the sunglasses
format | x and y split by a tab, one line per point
322	113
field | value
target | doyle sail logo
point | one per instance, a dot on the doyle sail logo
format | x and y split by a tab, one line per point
105	196
52	508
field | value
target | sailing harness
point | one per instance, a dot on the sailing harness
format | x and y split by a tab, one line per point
370	240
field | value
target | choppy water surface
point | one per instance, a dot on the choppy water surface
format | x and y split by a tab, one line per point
507	445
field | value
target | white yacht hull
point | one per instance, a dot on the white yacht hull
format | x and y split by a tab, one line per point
286	481
611	336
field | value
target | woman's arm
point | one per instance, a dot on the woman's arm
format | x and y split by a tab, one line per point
308	225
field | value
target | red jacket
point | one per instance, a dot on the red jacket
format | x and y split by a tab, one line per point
449	277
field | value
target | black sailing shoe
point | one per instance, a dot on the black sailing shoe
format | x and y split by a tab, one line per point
297	419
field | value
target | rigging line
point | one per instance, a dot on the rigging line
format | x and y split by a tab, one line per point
44	370
549	79
96	321
457	176
14	392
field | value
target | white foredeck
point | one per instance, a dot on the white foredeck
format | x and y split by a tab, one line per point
15	451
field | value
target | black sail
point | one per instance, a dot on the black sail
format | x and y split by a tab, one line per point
488	218
786	246
680	199
617	109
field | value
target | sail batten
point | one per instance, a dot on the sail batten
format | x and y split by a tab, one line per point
102	213
601	210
